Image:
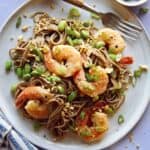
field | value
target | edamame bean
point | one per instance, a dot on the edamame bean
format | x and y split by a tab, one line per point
99	44
76	34
88	23
19	72
62	25
84	34
26	76
8	65
60	89
69	40
13	88
27	68
113	56
74	12
35	73
72	96
77	41
68	30
53	79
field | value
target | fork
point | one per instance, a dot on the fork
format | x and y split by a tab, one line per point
127	29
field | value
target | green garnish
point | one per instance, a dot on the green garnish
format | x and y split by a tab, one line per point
91	78
108	110
85	133
13	88
19	21
74	12
111	50
82	115
72	96
8	65
95	16
143	10
61	89
100	129
87	86
120	119
139	72
36	126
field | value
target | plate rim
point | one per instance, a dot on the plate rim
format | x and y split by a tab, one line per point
131	4
147	35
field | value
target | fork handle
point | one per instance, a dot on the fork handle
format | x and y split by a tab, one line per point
83	5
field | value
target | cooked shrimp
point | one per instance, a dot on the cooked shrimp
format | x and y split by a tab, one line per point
60	54
30	93
113	39
91	127
97	86
37	110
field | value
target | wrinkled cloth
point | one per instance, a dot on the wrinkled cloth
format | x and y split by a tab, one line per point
15	140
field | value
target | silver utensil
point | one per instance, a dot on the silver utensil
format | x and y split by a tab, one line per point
127	29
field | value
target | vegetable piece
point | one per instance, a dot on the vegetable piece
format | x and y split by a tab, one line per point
19	21
95	16
38	52
72	96
113	56
143	10
91	78
137	73
26	76
35	73
120	119
13	88
86	133
36	126
99	44
126	60
77	41
53	79
82	115
27	68
40	69
8	65
68	30
69	40
61	89
108	110
62	25
88	23
74	12
85	34
76	34
19	72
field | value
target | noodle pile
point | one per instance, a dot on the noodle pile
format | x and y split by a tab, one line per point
62	113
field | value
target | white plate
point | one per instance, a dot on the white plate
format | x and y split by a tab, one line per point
136	100
132	3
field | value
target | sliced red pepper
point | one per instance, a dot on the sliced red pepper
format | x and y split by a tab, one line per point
128	60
